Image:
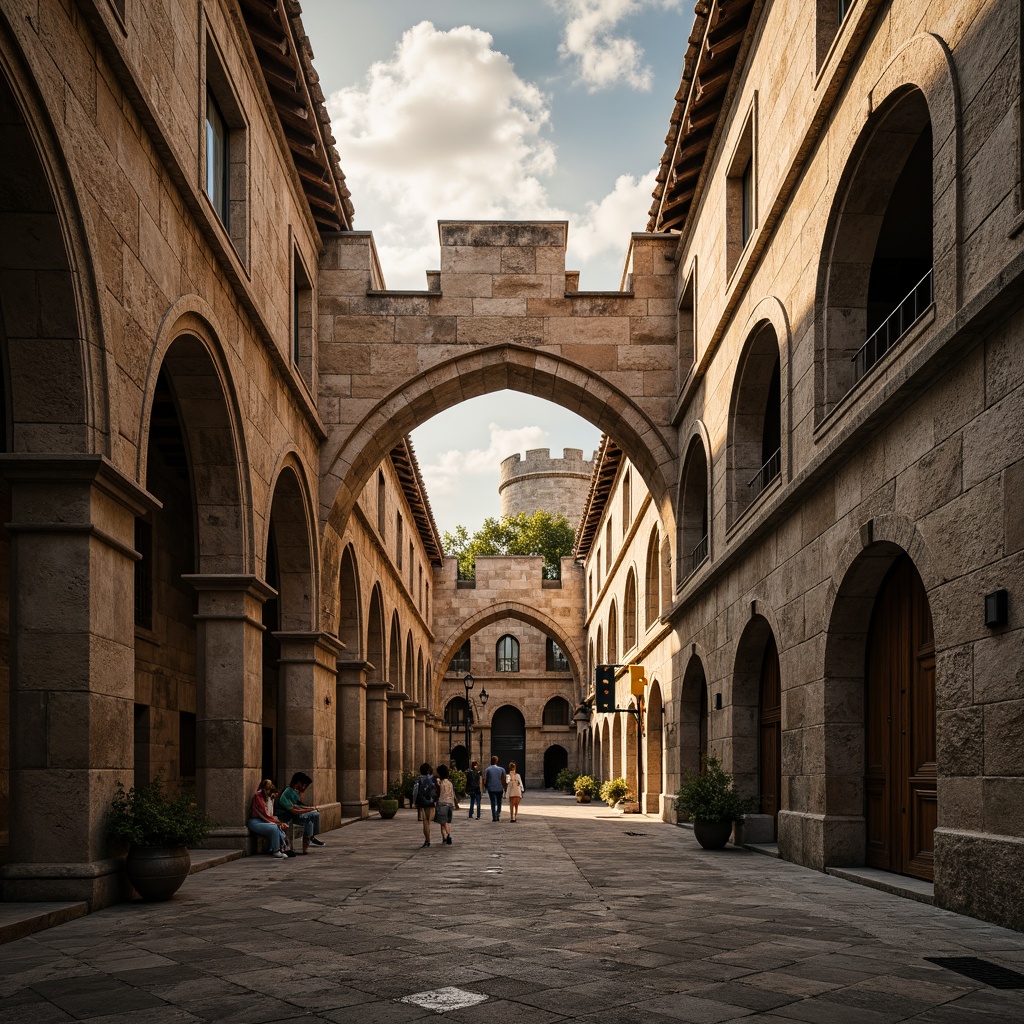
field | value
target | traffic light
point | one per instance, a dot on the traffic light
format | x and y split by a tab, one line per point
637	680
604	688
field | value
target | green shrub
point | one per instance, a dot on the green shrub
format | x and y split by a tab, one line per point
147	816
565	779
402	786
458	777
708	795
586	785
614	790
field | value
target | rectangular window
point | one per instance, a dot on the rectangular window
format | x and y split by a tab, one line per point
460	660
381	505
302	320
419	589
829	18
686	329
741	194
187	744
555	660
399	538
627	503
608	545
218	144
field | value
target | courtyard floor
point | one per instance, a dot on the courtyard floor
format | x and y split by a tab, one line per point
572	913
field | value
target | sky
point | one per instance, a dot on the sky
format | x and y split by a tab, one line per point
498	110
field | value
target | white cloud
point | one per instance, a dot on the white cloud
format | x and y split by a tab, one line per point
450	469
446	129
601	57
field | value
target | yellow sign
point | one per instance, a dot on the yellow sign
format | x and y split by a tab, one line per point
637	680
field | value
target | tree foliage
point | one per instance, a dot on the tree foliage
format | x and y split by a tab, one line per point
538	534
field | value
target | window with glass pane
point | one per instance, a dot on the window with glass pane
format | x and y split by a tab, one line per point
460	660
507	654
747	211
556	659
217	158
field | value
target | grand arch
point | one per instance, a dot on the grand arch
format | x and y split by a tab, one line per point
493	613
502	313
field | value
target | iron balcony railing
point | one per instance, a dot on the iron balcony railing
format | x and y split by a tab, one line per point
767	473
895	325
699	553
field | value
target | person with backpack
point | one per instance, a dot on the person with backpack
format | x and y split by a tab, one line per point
424	797
473	788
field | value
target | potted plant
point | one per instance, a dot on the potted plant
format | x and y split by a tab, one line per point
387	806
586	788
157	830
564	780
614	790
710	801
400	789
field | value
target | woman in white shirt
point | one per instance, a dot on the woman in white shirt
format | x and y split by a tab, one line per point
516	789
445	804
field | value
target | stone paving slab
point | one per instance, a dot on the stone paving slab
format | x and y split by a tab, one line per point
561	916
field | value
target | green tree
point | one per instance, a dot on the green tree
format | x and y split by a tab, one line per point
539	534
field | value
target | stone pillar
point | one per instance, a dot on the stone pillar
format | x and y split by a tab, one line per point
376	737
396	736
229	699
351	731
421	736
306	719
409	762
72	671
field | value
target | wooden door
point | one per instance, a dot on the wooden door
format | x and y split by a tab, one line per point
770	733
900	805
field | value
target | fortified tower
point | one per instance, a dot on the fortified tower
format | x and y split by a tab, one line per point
559	486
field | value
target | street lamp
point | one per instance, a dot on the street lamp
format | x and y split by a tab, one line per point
468	683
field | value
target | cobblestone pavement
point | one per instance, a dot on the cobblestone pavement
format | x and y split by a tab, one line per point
572	913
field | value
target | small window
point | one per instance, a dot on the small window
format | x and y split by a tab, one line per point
218	159
225	151
381	505
608	545
507	654
186	744
302	321
419	589
399	538
557	711
555	659
426	602
412	560
144	574
461	660
627	503
829	20
686	330
741	196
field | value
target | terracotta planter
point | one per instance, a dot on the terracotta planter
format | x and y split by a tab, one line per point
583	798
712	835
157	872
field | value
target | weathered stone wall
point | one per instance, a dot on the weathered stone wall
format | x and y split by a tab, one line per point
539	482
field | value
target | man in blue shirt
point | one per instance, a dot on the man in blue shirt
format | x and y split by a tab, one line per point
495	781
291	808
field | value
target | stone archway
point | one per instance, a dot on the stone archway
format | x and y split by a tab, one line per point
508	738
654	760
556	758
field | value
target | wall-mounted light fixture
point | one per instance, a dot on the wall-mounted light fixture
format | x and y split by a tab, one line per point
997	608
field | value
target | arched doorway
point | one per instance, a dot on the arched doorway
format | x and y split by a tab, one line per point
770	734
508	737
900	803
693	717
655	747
555	759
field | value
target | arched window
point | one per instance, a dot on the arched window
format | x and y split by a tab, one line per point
755	422
629	614
381	503
461	660
652	595
613	635
627	502
506	654
600	646
694	545
557	711
875	280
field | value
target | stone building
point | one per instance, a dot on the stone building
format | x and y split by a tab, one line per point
812	376
540	482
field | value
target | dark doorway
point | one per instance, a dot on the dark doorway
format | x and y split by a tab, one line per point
508	738
555	759
460	759
900	771
770	733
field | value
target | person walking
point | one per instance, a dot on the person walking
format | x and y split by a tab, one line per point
516	789
445	804
473	787
424	797
495	782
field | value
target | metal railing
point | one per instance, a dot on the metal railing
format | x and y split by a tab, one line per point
767	473
895	325
699	553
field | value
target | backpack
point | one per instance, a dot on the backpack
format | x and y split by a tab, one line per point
472	781
425	791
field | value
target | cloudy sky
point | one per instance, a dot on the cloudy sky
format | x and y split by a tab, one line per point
490	109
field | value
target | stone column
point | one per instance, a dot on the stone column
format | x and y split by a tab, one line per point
306	719
229	699
421	736
72	671
409	762
376	737
351	731
396	737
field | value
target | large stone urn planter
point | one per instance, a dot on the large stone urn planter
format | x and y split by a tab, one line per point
157	872
712	835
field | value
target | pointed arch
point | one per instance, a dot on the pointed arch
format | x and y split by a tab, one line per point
289	526
409	679
350	615
629	632
613	634
394	675
374	647
652	586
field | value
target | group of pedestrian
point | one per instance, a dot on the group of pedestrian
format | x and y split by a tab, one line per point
433	794
270	814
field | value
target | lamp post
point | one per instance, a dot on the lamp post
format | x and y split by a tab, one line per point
468	683
483	704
